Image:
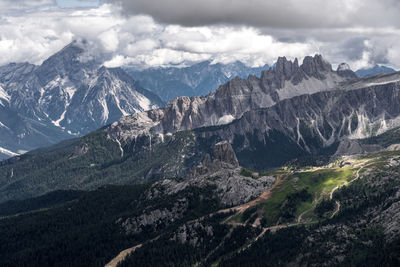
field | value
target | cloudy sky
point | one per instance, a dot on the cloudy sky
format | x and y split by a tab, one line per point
148	33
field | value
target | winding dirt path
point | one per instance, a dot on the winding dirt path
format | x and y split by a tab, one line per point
301	215
357	176
336	209
262	198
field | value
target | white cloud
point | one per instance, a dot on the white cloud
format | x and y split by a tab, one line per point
110	40
141	41
37	35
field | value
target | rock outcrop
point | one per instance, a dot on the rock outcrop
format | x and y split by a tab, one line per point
154	218
353	147
223	153
224	172
344	70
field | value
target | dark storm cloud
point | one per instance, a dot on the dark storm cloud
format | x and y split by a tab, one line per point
268	13
353	48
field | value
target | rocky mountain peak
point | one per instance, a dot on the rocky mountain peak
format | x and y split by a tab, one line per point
223	152
68	54
343	67
70	94
286	68
315	66
224	157
72	61
238	96
345	71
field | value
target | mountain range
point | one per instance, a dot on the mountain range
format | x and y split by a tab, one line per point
195	80
291	111
375	70
71	94
68	95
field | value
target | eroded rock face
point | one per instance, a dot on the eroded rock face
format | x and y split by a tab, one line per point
80	150
310	108
223	157
322	119
154	218
344	70
353	147
390	220
192	233
234	98
223	153
394	147
223	172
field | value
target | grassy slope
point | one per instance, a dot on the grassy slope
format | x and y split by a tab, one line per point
317	181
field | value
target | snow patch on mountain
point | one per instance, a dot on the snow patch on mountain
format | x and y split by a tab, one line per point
57	122
8	152
69	90
3	94
103	103
4	126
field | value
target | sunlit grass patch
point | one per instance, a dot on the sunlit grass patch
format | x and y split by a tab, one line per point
318	183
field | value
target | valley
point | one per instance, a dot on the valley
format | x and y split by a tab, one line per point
305	199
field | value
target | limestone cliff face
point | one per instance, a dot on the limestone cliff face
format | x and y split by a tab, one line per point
224	157
307	123
291	110
223	153
314	122
233	99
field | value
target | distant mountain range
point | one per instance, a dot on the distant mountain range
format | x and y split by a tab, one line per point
196	80
375	70
69	95
72	94
291	111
